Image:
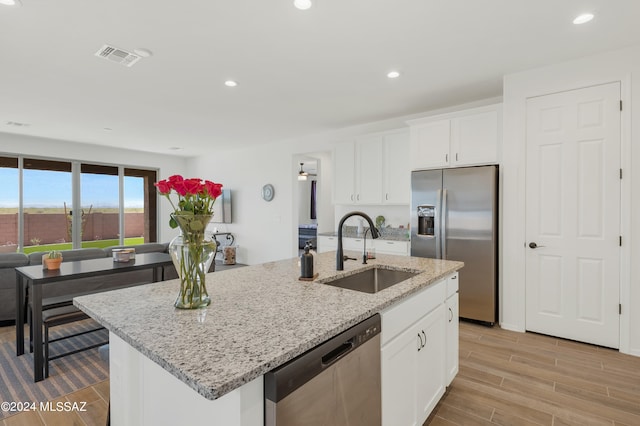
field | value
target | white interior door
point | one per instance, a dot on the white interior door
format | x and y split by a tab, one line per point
573	214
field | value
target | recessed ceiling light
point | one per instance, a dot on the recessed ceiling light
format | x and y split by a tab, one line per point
142	52
230	83
10	2
393	74
302	4
583	19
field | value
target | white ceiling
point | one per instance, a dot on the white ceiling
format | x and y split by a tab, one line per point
299	72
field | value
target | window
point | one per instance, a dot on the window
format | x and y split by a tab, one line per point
45	217
9	205
47	199
99	205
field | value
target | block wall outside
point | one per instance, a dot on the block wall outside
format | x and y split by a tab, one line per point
52	228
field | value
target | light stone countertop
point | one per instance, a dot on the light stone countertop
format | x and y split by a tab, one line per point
260	317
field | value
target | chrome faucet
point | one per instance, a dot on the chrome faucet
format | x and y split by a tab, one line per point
339	253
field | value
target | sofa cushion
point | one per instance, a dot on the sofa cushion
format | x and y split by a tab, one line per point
69	255
13	260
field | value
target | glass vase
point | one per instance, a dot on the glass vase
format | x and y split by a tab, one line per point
192	255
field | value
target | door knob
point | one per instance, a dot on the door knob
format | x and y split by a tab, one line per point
533	245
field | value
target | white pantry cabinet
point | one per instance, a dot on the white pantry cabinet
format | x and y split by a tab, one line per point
464	138
413	357
373	169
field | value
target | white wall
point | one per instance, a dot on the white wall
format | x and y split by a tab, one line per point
56	149
623	66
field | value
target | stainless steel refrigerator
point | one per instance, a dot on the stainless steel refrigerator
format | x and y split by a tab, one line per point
454	216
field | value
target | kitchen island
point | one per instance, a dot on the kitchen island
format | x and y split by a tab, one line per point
260	317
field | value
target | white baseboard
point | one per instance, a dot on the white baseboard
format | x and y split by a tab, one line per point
512	327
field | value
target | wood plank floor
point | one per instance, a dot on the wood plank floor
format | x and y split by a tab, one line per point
509	378
505	378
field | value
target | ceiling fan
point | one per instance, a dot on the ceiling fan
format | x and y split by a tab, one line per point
302	175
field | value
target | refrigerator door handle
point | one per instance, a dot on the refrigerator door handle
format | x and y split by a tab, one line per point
443	224
438	223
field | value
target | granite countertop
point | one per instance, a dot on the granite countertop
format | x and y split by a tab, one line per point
260	317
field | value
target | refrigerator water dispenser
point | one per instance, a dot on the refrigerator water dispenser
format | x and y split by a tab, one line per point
426	217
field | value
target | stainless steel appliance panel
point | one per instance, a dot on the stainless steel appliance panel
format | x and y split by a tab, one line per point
426	190
336	383
469	226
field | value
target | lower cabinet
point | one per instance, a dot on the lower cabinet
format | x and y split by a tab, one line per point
452	314
326	243
414	356
330	243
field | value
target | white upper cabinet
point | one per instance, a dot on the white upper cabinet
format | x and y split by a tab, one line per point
474	139
373	169
430	145
397	172
464	138
368	170
344	182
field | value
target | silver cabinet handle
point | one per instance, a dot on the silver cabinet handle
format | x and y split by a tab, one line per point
425	339
450	315
420	345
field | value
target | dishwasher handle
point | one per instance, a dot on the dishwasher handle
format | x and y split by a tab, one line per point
338	352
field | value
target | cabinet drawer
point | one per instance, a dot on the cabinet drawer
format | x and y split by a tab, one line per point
452	285
326	243
356	244
392	247
402	315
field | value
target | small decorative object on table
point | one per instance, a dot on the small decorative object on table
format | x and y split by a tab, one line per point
229	253
124	255
191	252
52	260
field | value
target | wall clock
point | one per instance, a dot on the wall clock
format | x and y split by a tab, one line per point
268	192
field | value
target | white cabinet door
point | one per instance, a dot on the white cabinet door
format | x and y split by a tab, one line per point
474	139
430	380
397	171
326	243
398	363
369	170
344	173
452	317
430	145
392	247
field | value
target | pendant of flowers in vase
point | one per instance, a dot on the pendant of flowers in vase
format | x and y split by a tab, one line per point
191	252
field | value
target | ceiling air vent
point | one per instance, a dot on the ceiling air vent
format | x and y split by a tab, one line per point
17	124
117	55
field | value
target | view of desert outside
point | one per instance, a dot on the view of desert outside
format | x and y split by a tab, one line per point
48	209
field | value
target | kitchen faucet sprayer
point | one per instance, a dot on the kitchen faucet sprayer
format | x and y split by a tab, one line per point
339	252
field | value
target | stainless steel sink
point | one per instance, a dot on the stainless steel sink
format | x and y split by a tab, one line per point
371	280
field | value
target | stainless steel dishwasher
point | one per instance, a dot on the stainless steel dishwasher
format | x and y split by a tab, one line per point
336	383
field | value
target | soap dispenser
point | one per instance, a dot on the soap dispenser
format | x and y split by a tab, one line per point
306	262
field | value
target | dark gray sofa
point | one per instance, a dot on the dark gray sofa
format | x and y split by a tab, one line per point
10	261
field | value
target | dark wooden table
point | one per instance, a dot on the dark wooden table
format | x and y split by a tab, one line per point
35	276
